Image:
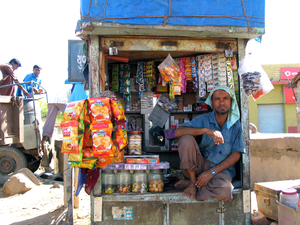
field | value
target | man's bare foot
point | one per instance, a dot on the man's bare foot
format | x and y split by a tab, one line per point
182	184
190	191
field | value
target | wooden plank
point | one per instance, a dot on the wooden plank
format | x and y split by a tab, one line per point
94	78
76	198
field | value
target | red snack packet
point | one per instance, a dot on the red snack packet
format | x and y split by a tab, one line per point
70	137
73	111
102	143
117	109
99	109
121	135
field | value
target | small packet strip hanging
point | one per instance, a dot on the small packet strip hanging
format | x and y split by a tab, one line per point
115	77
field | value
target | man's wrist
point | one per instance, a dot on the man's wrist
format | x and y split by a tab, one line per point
213	172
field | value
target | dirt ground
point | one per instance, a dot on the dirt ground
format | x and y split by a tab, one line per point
43	205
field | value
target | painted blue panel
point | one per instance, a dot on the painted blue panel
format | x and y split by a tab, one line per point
270	118
76	61
185	13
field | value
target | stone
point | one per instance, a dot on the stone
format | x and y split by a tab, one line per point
20	183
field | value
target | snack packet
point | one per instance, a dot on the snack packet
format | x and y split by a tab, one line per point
102	143
73	111
99	109
121	135
70	137
119	154
117	109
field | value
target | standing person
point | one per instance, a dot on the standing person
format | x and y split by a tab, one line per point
9	78
56	102
210	166
32	77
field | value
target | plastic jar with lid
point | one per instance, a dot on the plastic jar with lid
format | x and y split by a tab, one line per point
108	179
290	198
156	181
134	143
124	181
139	181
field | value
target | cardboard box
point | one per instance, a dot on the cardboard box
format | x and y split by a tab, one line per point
267	195
287	215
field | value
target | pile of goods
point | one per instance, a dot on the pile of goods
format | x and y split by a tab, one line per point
88	136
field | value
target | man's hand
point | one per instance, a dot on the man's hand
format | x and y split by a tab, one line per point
216	135
26	93
37	91
203	179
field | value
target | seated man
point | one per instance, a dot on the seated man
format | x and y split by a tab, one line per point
210	166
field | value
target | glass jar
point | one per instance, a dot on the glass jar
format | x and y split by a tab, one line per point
134	142
108	181
123	181
139	182
290	198
156	181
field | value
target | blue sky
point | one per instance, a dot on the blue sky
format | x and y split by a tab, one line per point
37	32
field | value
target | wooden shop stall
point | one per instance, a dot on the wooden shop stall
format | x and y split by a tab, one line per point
126	41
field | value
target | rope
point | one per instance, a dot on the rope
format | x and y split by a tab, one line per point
246	18
167	16
198	16
105	8
89	10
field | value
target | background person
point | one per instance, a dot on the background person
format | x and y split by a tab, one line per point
9	78
32	77
210	166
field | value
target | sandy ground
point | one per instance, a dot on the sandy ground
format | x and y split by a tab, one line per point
43	205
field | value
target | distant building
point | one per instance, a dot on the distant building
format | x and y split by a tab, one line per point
275	112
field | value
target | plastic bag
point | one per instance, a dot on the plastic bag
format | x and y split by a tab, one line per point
169	69
255	80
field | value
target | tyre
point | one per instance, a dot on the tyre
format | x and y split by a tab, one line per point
11	161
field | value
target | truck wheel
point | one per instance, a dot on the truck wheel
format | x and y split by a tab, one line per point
11	161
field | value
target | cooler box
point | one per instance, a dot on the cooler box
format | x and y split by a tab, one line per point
287	215
267	193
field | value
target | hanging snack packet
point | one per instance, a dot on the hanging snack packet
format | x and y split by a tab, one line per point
86	163
121	135
72	111
87	137
87	153
75	158
103	162
117	110
102	143
70	137
119	154
99	109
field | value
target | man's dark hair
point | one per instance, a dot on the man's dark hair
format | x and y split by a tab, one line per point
15	61
37	66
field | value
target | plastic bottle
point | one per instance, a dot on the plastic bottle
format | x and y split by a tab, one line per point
290	198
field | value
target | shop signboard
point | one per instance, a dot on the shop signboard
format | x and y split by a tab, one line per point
288	95
76	61
288	72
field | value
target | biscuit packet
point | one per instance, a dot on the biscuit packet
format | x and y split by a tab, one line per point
87	137
70	137
99	109
102	162
102	143
117	110
73	111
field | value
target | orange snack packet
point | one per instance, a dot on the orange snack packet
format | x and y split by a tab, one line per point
87	153
70	137
73	111
102	162
121	135
102	143
87	137
99	109
119	154
117	109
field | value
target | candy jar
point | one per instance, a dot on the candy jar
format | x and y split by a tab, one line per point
139	179
123	181
156	181
108	181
